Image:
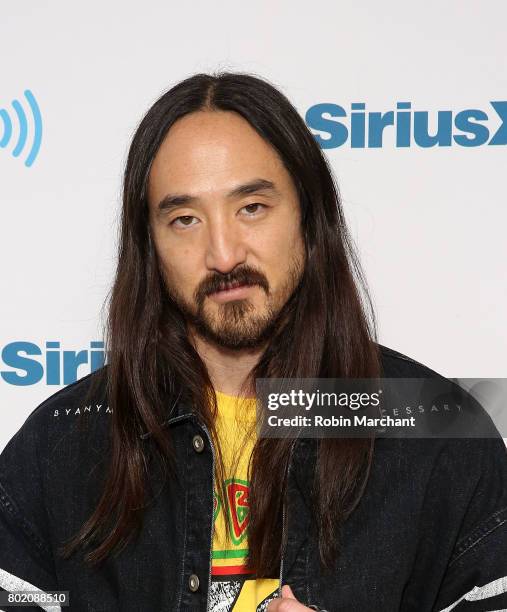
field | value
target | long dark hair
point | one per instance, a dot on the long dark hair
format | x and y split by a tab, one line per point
326	329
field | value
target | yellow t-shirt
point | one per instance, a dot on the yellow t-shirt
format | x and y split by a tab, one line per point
233	589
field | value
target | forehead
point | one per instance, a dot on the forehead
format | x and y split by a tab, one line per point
211	152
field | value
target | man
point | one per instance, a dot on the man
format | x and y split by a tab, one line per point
235	264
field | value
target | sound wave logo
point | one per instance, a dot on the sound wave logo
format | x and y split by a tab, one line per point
23	128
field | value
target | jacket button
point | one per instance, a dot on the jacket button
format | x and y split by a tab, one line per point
193	582
198	443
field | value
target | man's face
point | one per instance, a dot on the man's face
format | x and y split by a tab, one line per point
224	212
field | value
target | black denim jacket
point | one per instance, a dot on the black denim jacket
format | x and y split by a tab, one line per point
430	532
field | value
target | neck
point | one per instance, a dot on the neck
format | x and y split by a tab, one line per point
228	369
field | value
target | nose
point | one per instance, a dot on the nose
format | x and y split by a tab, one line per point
226	248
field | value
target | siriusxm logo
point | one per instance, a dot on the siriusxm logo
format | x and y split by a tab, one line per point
28	364
23	128
406	127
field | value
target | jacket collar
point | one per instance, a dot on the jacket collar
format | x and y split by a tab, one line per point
179	409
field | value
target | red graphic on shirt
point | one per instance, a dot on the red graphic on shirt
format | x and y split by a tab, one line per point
238	506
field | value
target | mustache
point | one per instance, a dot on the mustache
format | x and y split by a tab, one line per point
217	281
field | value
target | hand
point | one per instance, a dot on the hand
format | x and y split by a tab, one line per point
286	603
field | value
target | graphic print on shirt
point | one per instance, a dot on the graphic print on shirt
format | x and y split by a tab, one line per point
233	588
237	505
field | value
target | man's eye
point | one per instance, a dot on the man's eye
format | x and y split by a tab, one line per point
184	221
253	208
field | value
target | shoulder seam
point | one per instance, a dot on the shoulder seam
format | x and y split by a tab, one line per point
389	352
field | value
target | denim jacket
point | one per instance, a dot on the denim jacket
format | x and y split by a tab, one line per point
429	534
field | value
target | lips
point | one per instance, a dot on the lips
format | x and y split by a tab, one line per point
228	286
231	291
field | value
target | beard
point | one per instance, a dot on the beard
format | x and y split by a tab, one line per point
237	324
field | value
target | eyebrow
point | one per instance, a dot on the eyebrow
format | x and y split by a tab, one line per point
170	201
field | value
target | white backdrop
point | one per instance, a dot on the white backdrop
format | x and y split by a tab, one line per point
429	222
